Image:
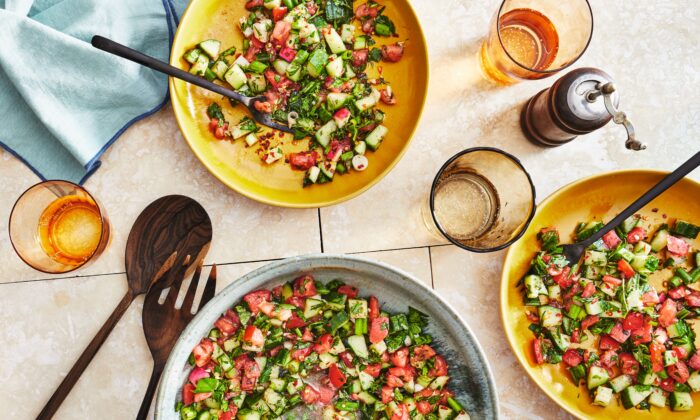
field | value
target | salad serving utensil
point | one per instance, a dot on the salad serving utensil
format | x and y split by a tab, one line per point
574	252
123	51
166	233
163	323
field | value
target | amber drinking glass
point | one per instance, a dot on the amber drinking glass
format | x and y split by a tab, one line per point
57	227
533	39
482	200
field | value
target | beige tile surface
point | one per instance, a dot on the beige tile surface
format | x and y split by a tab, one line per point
152	160
470	283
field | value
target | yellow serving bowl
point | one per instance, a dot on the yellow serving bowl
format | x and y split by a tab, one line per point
599	197
239	167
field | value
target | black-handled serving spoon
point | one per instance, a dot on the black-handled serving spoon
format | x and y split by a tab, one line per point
123	51
574	252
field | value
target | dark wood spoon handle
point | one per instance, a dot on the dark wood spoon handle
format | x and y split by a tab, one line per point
84	360
666	183
123	51
152	384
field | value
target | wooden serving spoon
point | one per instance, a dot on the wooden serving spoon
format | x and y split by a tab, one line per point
167	232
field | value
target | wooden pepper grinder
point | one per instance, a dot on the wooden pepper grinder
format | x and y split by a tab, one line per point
573	106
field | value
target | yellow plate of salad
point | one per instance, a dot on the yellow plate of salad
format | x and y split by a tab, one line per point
349	77
614	336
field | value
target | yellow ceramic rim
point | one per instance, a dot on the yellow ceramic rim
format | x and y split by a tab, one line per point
262	198
505	278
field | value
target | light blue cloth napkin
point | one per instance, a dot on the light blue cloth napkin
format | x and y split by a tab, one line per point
63	102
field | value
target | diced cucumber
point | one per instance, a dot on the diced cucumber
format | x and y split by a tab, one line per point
192	55
621	382
368	101
317	62
686	229
610	309
328	168
635	394
596	258
335	66
439	382
366	380
681	401
211	47
630	223
694	381
597	376
200	66
347	33
313	173
235	77
312	307
251	139
375	138
584	231
657	398
323	135
646	377
280	66
603	396
272	4
670	358
261	29
248	414
349	72
642	248
360	43
326	360
549	316
366	397
445	413
358	345
357	308
591	272
554	292
257	83
361	148
678	329
535	286
658	242
337	100
219	68
334	41
308	33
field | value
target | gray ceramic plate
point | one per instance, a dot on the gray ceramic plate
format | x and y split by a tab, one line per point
471	377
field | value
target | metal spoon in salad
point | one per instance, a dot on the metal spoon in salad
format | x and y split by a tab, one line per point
123	51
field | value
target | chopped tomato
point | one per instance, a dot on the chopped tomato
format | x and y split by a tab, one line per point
240	361
226	326
680	352
349	291
607	343
656	353
202	396
373	307
537	347
679	372
563	279
336	376
346	357
296	301
660	335
693	299
650	298
373	370
678	293
694	361
424	407
359	57
667	313
635	235
677	246
611	281
393	381
228	414
254	299
278	13
399	357
588	290
401	413
588	321
251	373
202	353
220	132
252	4
392	53
302	161
327	393
387	394
309	394
421	354
633	320
304	286
379	329
619	334
439	368
295	322
254	336
364	11
281	32
642	334
268	308
628	364
324	344
611	240
188	394
668	385
625	268
307	335
572	357
301	354
213	123
609	358
387	97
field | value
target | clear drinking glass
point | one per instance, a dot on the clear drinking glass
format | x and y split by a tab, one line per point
57	227
533	39
482	200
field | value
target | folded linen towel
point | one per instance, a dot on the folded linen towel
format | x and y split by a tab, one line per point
63	102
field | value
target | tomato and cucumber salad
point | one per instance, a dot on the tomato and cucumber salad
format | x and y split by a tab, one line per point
322	347
622	321
320	66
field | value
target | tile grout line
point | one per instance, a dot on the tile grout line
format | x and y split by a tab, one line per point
45	279
430	260
320	228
